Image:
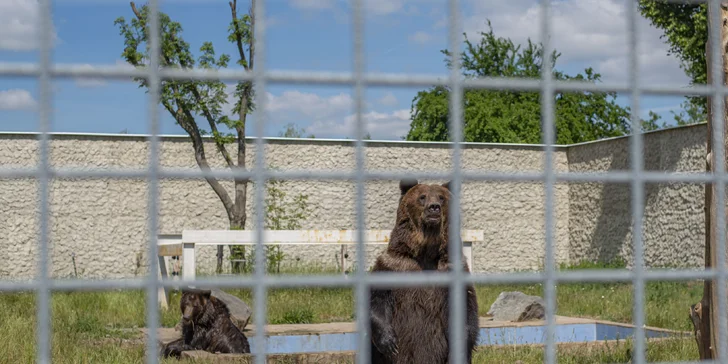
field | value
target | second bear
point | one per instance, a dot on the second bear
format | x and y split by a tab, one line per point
206	325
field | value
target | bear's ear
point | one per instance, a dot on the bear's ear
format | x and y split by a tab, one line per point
406	184
206	293
447	185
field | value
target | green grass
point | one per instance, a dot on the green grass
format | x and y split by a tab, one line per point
98	327
619	352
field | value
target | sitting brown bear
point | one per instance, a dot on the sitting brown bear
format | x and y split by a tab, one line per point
410	325
206	325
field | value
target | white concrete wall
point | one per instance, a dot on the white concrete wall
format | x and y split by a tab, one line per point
104	221
674	222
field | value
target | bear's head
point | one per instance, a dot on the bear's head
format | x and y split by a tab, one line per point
426	206
192	304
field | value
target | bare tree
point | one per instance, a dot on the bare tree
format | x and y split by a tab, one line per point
188	100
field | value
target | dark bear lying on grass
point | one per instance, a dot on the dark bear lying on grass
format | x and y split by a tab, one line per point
206	325
410	325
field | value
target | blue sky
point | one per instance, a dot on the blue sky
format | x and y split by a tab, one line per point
402	36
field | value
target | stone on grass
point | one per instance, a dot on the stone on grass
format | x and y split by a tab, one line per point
517	306
239	310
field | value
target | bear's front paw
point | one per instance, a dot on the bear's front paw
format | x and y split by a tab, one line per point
387	345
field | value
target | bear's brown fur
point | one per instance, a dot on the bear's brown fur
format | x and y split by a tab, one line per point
206	325
410	325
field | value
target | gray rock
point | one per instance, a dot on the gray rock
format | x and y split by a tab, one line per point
517	306
239	311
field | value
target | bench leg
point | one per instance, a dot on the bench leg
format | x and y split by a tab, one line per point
163	293
468	253
188	262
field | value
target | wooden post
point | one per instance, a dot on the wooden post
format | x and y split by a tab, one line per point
704	314
188	261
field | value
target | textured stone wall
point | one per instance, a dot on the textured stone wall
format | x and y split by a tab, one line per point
600	213
104	221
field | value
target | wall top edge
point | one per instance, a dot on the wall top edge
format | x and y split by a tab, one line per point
282	140
71	135
665	130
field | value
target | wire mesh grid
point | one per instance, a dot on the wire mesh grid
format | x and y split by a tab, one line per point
45	71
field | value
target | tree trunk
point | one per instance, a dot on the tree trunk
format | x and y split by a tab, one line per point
715	220
704	314
237	252
236	218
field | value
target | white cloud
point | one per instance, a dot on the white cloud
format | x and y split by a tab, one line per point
441	23
379	125
420	37
383	7
98	81
16	99
590	32
309	104
20	25
388	100
374	7
413	10
89	82
332	116
313	4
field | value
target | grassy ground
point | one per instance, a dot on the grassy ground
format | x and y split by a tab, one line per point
94	327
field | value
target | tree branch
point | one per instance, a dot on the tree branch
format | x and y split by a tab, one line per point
193	88
136	12
198	145
213	127
251	46
186	121
238	37
248	65
210	119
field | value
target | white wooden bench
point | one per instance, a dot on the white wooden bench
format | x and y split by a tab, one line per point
184	244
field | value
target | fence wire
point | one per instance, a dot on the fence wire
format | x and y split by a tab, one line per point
45	71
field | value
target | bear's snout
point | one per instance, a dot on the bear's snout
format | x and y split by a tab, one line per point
434	208
187	313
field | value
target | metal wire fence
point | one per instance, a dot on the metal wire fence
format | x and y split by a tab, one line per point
46	71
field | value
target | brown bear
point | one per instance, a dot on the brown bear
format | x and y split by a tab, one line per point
410	325
206	325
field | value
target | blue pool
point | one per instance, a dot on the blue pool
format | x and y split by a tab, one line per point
568	332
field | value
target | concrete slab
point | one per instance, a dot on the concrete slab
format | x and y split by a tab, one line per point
342	336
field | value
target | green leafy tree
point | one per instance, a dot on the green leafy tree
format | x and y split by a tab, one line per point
685	30
193	104
652	123
506	116
291	130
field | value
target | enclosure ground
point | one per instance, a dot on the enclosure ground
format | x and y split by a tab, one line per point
102	327
658	350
